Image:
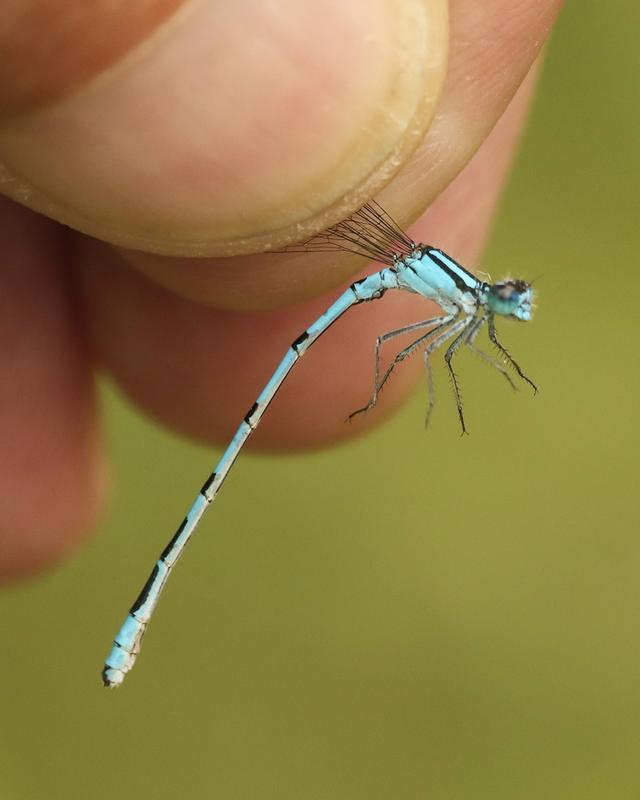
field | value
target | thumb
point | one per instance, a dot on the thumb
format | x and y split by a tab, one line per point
198	130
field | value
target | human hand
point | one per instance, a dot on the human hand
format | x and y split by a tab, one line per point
217	131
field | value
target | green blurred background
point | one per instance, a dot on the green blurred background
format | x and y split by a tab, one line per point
472	632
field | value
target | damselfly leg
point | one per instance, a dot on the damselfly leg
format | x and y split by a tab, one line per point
435	324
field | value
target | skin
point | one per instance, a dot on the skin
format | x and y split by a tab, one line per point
199	135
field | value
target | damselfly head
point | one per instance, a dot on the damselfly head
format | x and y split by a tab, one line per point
511	298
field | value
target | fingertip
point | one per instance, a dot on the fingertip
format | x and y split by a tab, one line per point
52	473
198	369
51	48
47	519
242	125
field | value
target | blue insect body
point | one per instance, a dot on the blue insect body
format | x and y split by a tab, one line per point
467	304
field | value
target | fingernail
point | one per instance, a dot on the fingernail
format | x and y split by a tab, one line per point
51	49
236	126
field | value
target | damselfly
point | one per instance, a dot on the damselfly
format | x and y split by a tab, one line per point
467	304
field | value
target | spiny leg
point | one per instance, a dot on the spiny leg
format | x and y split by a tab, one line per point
432	347
436	322
471	336
494	338
409	349
448	356
386	337
431	396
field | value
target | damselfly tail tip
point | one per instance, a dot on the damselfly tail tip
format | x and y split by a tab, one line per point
111	678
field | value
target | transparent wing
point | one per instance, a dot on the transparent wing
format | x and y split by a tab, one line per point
371	232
